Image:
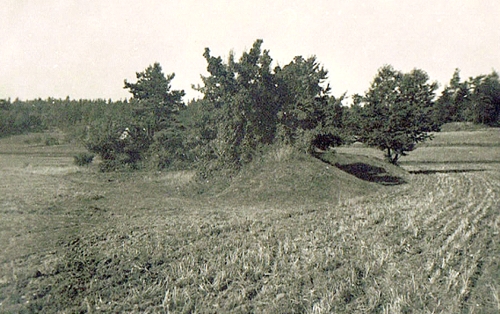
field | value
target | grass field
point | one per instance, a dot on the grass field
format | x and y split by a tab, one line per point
448	151
291	234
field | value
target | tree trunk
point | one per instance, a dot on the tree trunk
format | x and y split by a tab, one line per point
394	160
390	158
388	155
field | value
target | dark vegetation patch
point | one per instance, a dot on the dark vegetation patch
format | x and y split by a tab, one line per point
83	159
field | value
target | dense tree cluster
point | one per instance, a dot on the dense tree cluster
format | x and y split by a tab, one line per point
475	100
249	106
18	116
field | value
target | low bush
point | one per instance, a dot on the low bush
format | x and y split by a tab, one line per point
110	165
83	159
50	141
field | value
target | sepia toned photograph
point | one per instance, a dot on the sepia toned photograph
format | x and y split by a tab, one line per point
234	156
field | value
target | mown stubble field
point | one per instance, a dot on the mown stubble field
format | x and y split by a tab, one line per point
75	240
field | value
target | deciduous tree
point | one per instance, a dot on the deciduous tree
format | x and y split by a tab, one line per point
396	111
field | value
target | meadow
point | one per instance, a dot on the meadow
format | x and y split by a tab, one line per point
343	233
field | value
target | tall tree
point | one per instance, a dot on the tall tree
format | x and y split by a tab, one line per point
240	106
485	99
475	100
155	103
302	96
156	108
454	102
396	111
127	133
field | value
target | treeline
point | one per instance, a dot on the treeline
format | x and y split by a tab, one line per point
249	107
475	100
18	117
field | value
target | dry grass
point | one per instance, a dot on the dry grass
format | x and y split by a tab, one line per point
463	126
453	154
83	241
485	138
52	144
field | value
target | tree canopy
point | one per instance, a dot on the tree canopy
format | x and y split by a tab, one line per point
155	103
248	104
396	111
474	100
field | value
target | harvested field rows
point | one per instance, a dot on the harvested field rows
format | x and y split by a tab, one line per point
79	241
442	235
427	246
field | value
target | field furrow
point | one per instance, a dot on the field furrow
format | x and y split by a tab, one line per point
429	238
458	251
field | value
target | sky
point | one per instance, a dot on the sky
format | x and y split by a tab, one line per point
87	48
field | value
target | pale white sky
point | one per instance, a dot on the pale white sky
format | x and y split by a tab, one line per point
86	48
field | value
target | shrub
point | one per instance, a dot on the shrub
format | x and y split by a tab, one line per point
83	159
50	141
109	165
304	140
119	164
326	139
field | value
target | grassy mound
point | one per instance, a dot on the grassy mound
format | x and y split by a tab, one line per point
286	177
